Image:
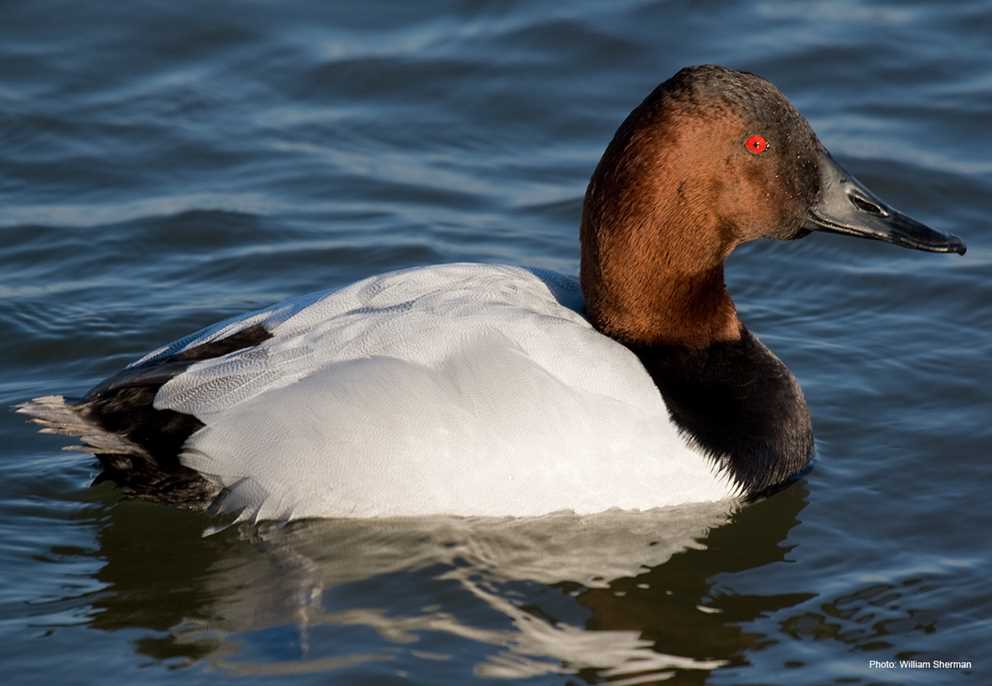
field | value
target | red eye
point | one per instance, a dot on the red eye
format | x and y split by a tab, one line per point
756	144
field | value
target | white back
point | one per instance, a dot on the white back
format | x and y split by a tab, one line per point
461	389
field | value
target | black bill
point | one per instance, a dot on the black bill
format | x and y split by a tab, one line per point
847	207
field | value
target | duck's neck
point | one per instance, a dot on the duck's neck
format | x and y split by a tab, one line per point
653	256
691	309
729	395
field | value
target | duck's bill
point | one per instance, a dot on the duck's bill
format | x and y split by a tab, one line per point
847	207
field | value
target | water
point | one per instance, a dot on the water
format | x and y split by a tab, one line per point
164	167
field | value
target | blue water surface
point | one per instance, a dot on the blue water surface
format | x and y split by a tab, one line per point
166	165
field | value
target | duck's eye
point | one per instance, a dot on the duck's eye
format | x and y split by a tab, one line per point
756	144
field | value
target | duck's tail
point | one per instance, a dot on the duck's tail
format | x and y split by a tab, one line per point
132	467
55	415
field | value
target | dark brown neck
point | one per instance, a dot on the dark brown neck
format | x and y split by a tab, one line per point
653	245
692	310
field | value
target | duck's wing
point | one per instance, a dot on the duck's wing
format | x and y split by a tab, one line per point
421	316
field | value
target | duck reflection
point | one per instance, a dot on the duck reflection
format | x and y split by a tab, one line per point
617	596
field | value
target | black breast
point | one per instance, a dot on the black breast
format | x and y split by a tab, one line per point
740	404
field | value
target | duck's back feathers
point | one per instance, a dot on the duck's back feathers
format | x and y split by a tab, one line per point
466	389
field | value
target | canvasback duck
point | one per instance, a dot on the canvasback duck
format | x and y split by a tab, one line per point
473	389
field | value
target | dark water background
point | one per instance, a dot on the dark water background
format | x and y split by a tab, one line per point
166	166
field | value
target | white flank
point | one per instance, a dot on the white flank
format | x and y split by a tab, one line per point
460	389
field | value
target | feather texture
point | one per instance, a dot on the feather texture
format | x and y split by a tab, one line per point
466	389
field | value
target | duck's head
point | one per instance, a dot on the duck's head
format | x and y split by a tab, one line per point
711	159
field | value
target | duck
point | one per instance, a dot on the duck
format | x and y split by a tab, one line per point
483	390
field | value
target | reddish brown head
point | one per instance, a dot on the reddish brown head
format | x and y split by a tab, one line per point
711	159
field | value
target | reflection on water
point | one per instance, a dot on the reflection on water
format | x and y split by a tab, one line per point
155	181
618	595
